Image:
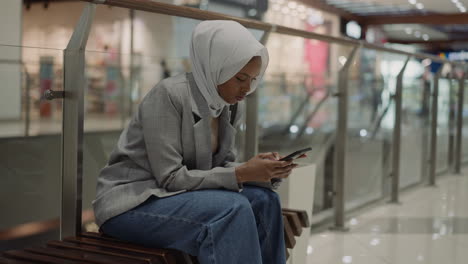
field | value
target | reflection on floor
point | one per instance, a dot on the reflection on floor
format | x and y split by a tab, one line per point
430	226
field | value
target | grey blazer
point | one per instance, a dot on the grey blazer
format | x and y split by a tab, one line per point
166	150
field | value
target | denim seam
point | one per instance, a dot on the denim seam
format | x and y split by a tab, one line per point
208	228
265	229
168	217
210	233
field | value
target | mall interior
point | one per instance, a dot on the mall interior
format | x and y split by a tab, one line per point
375	87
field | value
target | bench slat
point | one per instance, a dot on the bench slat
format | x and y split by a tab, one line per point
295	222
302	216
164	254
180	257
35	258
98	248
288	234
83	255
130	259
4	260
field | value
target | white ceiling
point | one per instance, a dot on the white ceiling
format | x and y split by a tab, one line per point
438	6
408	32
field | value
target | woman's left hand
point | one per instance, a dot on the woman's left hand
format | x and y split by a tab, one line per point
276	156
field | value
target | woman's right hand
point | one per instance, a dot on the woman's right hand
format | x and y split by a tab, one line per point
264	167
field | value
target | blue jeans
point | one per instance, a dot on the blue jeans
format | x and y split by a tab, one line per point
217	226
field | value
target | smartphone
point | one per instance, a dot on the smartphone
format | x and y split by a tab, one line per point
295	154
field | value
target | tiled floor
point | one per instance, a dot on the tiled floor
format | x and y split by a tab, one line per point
430	226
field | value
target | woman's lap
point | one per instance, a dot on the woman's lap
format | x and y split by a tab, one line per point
180	221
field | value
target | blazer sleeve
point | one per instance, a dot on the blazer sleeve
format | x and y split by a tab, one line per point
161	122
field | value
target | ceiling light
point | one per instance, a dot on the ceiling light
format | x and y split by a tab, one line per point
347	259
463	10
459	5
301	8
294	13
342	60
408	31
425	37
454	1
413	2
417	34
285	10
419	6
293	129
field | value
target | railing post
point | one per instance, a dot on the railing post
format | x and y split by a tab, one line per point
340	144
459	135
72	137
131	78
251	120
397	135
434	114
425	106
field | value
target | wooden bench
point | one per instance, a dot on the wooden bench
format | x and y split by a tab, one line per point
98	248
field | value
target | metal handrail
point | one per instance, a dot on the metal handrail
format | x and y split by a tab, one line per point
72	156
194	13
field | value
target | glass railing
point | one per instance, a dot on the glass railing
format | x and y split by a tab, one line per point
414	137
297	108
30	140
443	124
369	132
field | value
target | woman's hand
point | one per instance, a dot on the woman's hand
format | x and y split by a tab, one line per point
264	167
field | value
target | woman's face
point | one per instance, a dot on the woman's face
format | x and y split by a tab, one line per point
236	88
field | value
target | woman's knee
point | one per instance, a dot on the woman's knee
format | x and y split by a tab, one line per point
227	203
263	196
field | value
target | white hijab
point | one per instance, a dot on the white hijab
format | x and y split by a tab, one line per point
219	50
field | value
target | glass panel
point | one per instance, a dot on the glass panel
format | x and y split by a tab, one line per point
30	140
465	125
413	125
443	124
369	133
296	106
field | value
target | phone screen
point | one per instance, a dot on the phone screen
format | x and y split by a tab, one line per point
296	154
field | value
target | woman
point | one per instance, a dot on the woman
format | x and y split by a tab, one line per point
172	181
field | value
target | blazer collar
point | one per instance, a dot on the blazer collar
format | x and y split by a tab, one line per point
199	105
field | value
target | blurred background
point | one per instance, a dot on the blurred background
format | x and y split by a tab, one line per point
129	51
